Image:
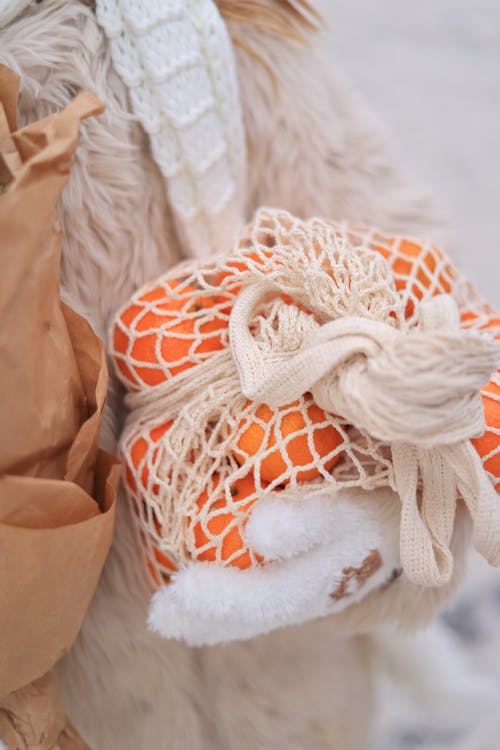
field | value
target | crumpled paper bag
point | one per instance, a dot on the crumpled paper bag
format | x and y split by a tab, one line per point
57	488
31	718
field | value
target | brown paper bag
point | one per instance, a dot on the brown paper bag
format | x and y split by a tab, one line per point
31	718
57	489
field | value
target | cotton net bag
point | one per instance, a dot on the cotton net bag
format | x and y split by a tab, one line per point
315	357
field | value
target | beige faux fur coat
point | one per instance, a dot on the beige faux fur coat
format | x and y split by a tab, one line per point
314	150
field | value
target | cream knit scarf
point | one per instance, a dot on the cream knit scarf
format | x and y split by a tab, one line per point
176	59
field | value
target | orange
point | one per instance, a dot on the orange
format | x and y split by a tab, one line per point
489	442
287	423
167	338
234	268
415	269
161	559
139	455
161	576
223	526
470	319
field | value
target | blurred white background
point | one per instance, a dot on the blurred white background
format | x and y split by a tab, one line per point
431	72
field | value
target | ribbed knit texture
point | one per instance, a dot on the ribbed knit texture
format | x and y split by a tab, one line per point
176	59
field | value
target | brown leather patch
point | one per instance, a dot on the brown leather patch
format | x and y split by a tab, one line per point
368	567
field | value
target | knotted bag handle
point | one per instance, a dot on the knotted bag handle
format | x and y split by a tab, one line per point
419	390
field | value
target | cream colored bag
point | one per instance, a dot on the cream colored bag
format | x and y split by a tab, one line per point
314	355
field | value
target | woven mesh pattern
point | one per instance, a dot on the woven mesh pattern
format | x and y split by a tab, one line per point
197	453
420	269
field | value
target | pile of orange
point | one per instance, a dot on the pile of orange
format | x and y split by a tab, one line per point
166	330
217	538
172	327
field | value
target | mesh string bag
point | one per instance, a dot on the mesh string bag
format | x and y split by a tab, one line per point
314	354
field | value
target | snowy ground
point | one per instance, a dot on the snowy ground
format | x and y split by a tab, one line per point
431	71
